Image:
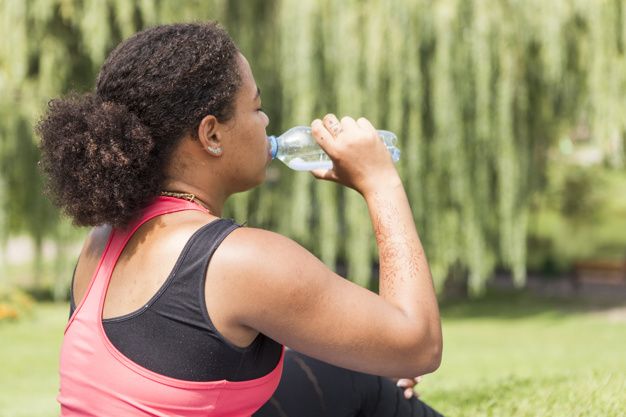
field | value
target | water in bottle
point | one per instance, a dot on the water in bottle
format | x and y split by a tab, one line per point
298	149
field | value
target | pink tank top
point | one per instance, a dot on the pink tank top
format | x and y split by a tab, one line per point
97	380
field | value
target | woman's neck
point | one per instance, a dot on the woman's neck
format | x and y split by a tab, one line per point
212	202
189	171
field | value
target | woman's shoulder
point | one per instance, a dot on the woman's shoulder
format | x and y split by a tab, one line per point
253	245
250	258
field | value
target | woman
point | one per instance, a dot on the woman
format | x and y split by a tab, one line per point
178	311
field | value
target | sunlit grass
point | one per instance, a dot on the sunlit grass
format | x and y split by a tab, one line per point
29	354
522	357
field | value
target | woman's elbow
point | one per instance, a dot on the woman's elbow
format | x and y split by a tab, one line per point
428	361
427	354
436	356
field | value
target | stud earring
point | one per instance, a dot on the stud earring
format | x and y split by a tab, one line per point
215	151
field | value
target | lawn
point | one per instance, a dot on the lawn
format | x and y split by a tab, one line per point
29	351
508	355
524	357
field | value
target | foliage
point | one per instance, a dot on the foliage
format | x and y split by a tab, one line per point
580	216
14	304
477	92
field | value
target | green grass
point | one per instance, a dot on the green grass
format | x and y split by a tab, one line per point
508	355
524	357
29	355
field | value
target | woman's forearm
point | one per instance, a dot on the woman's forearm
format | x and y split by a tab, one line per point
405	279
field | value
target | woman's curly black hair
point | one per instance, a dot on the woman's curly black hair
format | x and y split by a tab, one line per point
104	152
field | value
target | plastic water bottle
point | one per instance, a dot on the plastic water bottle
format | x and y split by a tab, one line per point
298	149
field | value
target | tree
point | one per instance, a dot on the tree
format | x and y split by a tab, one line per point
476	91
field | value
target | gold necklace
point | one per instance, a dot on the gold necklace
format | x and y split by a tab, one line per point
186	196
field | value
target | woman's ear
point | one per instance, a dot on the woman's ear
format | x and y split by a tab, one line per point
209	135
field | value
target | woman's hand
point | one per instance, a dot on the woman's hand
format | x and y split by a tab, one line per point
409	384
360	158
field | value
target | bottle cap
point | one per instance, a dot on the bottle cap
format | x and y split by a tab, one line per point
273	146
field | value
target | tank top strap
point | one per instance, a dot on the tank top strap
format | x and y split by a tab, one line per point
93	301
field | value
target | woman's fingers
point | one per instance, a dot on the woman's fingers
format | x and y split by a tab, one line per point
322	136
359	159
409	382
325	138
324	174
405	383
363	123
332	124
408	386
348	123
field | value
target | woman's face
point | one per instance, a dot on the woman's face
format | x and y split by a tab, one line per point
246	149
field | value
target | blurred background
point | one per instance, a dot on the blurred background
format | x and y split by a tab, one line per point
511	118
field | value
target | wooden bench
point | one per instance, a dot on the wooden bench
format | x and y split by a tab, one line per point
600	271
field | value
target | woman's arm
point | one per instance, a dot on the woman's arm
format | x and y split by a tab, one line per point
275	286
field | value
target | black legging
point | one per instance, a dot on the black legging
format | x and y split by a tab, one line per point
311	388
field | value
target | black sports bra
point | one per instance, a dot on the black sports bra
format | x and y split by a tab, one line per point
173	334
